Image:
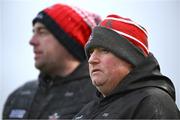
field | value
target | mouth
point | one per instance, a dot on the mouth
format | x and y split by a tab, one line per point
37	54
95	71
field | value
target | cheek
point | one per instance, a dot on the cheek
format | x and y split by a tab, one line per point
51	50
111	69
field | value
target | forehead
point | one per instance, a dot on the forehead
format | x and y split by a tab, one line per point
103	50
97	48
39	25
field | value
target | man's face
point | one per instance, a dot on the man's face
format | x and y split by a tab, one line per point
106	70
49	53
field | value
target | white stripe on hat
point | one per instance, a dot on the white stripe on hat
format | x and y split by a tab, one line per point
135	39
128	21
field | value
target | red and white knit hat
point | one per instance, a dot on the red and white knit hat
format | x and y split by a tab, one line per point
72	26
122	36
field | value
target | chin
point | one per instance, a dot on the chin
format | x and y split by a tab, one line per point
39	66
97	82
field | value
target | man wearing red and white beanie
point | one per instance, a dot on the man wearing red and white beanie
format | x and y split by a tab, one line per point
64	85
126	75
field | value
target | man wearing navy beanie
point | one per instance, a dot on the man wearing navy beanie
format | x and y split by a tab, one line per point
64	86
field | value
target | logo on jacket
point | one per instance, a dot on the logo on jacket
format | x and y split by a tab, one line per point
78	117
105	114
17	113
69	94
54	116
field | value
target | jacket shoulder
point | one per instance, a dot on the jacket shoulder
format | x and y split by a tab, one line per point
30	85
16	98
159	103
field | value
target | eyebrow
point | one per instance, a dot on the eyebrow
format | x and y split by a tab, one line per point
39	28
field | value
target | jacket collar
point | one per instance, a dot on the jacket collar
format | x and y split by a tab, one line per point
77	74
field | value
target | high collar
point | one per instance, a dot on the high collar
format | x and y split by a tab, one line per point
80	72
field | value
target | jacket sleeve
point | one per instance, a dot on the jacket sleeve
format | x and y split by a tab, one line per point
157	106
9	104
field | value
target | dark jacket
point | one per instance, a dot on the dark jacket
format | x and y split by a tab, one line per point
144	94
51	97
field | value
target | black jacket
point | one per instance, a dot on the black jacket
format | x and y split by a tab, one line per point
144	94
51	97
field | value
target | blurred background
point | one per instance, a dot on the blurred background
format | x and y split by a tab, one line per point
161	18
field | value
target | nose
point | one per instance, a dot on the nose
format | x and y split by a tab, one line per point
94	58
33	41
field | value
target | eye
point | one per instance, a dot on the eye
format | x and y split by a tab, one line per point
91	51
43	31
40	31
104	50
